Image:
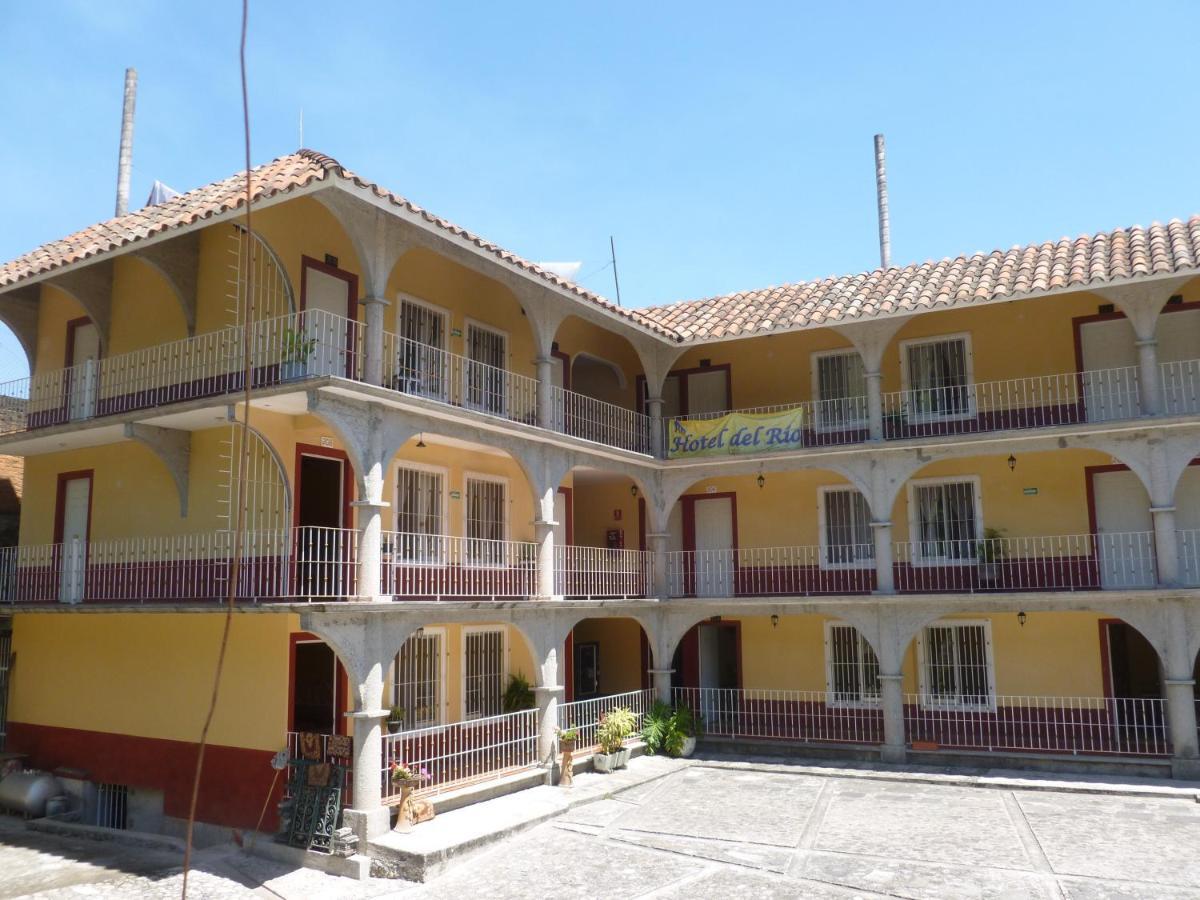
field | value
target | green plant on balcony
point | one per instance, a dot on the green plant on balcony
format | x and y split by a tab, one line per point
295	351
990	552
613	728
518	695
395	719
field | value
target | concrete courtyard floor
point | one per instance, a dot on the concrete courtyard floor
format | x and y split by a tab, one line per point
723	830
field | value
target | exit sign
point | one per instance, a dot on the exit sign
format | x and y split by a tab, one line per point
1029	492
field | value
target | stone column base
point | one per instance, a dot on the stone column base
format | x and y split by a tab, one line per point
367	823
890	754
1185	769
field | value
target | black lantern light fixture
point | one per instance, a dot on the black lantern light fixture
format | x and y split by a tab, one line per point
760	481
1021	617
1012	462
633	491
775	621
421	441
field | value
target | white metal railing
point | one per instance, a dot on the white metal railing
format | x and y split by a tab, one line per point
600	572
1181	387
1188	544
292	745
820	423
438	565
597	420
411	367
770	571
804	716
283	348
1060	562
297	563
584	715
1038	401
462	753
1022	724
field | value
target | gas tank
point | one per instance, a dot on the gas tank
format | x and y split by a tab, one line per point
28	792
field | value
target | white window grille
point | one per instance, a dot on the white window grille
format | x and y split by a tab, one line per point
956	665
851	667
421	362
846	538
5	658
485	520
420	514
418	679
484	667
938	378
841	388
944	520
485	371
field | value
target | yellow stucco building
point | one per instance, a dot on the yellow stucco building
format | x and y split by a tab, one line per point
928	511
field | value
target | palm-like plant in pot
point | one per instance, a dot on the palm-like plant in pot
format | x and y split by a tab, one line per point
614	727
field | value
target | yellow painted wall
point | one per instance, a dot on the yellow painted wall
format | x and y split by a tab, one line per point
620	652
1054	654
596	504
150	675
145	312
575	336
55	310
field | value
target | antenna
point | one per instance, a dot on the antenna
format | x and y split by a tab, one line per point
616	281
885	231
125	159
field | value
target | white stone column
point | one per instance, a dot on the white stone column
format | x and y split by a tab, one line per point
543	536
654	407
373	362
1181	716
884	576
367	815
370	548
661	679
1166	545
874	405
891	691
1149	390
657	543
548	699
546	417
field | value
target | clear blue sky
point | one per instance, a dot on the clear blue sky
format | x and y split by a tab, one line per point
726	146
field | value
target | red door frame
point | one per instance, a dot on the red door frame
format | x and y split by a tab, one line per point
303	450
60	499
683	389
690	646
306	263
688	515
341	681
1090	472
1078	322
69	360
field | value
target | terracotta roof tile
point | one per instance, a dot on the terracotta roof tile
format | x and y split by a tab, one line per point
1086	261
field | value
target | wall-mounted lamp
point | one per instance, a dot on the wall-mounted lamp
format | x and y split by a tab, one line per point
760	481
774	621
421	441
1012	462
633	491
1021	617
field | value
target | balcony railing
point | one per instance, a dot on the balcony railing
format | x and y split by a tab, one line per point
463	753
1058	563
598	572
804	716
436	566
596	420
1189	557
584	715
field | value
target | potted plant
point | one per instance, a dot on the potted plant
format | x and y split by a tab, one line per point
395	720
406	778
687	725
990	551
670	730
296	350
518	695
614	727
567	738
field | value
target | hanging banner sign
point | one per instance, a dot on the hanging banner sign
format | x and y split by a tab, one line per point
736	433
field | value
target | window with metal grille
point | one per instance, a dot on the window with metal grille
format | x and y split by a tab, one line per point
939	377
485	521
485	371
112	806
420	358
419	514
417	680
841	388
956	665
5	666
846	535
944	520
483	672
851	667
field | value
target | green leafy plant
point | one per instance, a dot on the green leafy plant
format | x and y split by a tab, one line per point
518	695
991	548
615	725
396	714
664	728
296	348
568	734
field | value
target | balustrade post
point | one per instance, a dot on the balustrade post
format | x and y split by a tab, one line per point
658	565
1166	545
370	549
874	405
1149	390
654	407
891	690
543	535
885	582
372	370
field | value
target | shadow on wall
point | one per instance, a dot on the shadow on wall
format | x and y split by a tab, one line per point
12	469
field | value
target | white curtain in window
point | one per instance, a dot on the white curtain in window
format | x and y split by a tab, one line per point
946	519
419	515
842	387
956	669
848	538
937	373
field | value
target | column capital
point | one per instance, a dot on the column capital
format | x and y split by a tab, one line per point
658	534
373	301
550	689
544	360
370	504
1162	509
1179	682
1146	342
881	523
883	677
367	714
660	671
873	375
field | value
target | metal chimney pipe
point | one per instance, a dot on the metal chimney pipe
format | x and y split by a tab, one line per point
125	161
885	232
